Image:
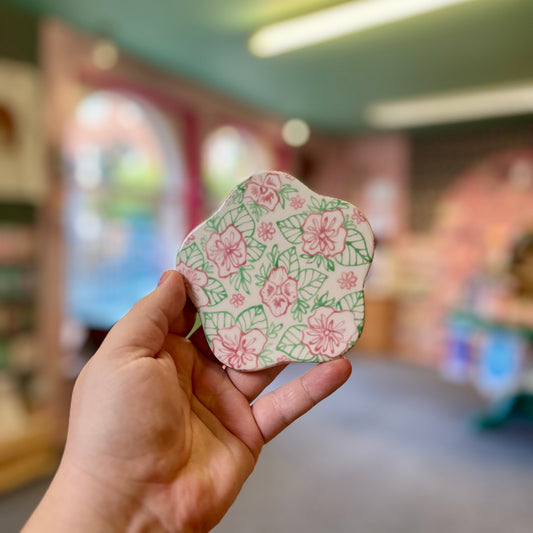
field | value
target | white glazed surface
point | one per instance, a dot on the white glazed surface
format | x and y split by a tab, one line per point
277	274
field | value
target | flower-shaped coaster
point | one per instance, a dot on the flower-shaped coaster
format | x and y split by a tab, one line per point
277	274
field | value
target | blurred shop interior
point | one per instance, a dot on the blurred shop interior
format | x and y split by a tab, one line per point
123	125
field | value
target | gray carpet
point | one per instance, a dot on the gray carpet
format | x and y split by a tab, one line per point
392	452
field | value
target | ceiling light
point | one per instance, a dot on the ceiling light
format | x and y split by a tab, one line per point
295	132
442	108
337	21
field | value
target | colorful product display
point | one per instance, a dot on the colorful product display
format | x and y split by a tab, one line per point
277	274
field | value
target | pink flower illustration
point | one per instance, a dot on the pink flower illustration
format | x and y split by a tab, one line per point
263	190
237	299
279	291
297	202
347	280
195	280
324	233
358	216
227	250
329	332
266	231
237	349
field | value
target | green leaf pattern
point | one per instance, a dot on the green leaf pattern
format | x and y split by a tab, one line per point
331	278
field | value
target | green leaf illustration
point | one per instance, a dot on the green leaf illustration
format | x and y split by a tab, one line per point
273	330
212	224
291	228
355	253
237	196
215	291
216	321
262	276
192	256
353	302
316	260
351	227
310	282
317	206
291	344
253	317
285	192
266	358
273	256
240	218
289	259
255	250
242	279
298	309
256	210
323	301
334	203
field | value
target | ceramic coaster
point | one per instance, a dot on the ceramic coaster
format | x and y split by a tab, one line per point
277	274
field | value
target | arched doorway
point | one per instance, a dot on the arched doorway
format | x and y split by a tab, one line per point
123	205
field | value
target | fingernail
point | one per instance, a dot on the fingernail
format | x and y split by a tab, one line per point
164	277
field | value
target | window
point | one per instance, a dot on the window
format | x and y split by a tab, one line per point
123	212
229	156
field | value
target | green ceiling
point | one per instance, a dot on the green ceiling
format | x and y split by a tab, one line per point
479	43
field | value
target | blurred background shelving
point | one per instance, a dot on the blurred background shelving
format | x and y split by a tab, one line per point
27	447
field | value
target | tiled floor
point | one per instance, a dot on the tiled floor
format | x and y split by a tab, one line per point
392	452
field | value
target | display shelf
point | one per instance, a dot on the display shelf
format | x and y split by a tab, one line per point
28	450
493	349
28	454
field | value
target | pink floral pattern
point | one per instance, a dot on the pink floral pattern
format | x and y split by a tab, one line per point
329	332
358	216
266	231
279	291
237	299
227	250
238	349
263	190
323	233
274	264
297	202
195	280
347	280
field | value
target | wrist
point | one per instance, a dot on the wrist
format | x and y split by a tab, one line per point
78	502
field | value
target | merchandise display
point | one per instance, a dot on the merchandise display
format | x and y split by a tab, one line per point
277	274
484	304
26	449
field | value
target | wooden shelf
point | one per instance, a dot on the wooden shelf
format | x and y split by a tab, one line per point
28	455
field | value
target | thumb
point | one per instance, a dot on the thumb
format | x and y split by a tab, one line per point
142	332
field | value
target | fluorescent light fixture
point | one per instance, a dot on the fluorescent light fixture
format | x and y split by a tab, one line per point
442	108
337	21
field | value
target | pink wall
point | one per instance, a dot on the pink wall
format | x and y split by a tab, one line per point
370	171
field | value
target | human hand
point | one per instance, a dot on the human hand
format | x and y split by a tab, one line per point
161	437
